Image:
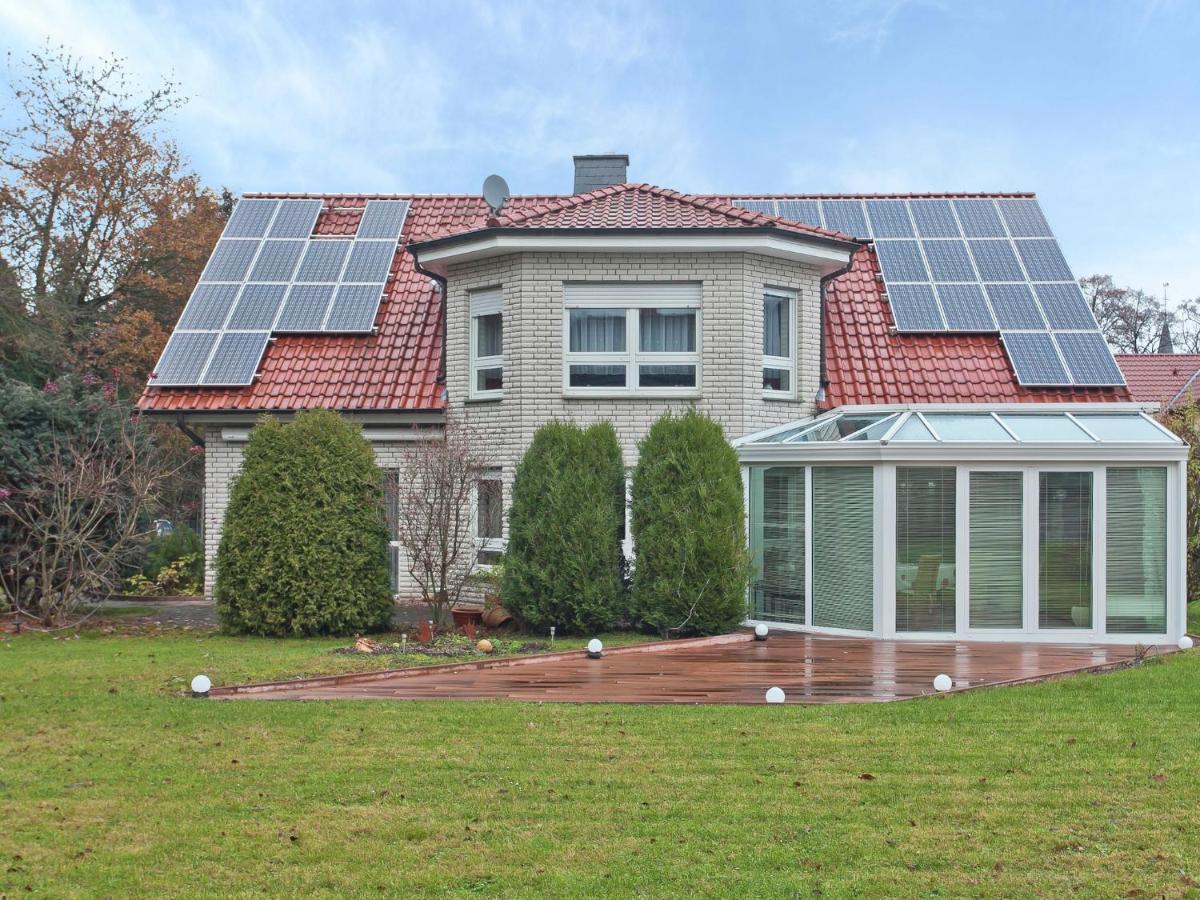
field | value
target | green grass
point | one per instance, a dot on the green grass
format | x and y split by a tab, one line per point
112	783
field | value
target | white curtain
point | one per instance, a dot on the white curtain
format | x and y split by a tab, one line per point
668	330
775	327
597	331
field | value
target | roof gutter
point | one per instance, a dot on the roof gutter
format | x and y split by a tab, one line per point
441	282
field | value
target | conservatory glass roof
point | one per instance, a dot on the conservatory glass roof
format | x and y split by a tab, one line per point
941	427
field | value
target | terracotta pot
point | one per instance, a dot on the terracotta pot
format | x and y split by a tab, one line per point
496	616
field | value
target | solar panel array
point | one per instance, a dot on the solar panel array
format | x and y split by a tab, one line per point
270	275
974	264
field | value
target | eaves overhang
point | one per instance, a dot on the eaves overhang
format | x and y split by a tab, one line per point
824	253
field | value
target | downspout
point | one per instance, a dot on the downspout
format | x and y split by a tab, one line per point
182	425
825	279
441	282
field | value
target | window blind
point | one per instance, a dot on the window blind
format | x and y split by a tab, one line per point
1137	551
925	548
777	511
843	547
1065	549
996	555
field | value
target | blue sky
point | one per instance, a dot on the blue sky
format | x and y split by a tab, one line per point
1093	105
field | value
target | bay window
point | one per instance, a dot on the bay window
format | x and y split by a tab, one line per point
487	345
778	344
624	338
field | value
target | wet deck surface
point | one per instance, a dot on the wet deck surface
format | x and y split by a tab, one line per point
809	668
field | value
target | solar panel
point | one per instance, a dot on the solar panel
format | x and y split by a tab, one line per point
1088	358
277	260
183	358
978	217
354	307
965	307
383	219
934	218
845	216
1064	306
323	260
370	261
915	308
304	308
806	211
1015	306
759	206
901	261
1034	358
208	307
250	218
257	307
996	260
948	261
235	360
295	218
1044	261
230	260
889	218
1023	217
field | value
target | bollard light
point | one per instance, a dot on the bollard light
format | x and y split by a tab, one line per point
760	632
943	682
201	685
775	695
595	649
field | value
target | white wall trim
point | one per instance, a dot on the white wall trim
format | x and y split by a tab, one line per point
375	435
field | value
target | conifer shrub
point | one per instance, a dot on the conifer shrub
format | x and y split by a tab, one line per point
691	565
563	562
304	546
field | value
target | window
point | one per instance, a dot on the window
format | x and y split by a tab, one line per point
778	356
925	548
1137	551
391	515
1065	547
487	345
777	511
623	338
489	517
843	536
997	504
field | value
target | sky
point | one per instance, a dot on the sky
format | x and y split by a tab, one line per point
1093	105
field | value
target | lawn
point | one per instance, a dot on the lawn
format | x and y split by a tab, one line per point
113	783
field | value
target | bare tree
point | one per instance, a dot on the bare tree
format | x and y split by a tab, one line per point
1130	318
1186	332
438	505
85	513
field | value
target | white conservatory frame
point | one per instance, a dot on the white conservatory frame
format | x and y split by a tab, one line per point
1156	447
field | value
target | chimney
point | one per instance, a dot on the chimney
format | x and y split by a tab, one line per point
593	172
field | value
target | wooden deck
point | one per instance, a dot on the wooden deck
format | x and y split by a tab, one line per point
734	669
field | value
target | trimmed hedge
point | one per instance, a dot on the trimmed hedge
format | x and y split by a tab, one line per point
563	563
304	547
689	531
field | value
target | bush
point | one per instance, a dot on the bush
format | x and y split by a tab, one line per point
180	543
563	564
689	533
304	547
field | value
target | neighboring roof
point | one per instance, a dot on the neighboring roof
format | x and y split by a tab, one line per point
868	362
1161	377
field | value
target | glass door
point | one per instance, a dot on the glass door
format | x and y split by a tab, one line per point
1065	550
777	511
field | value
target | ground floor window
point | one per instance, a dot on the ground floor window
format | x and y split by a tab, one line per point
489	517
777	513
925	548
996	564
1136	572
843	547
1065	550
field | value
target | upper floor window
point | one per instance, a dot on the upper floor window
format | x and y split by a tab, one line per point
487	344
779	355
632	338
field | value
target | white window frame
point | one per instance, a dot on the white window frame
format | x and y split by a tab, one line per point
486	544
487	302
632	298
787	363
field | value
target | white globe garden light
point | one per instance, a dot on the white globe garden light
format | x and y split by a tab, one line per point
595	648
760	632
201	685
775	695
1185	643
943	682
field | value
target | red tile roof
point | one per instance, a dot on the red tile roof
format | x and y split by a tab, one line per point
1160	377
397	368
869	363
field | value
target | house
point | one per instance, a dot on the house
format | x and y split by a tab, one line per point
1164	378
936	439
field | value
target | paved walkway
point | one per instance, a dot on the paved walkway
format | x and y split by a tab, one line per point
809	668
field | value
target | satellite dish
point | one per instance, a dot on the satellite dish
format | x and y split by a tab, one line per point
495	192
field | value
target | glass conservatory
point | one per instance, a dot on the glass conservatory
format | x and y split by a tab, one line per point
1025	522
